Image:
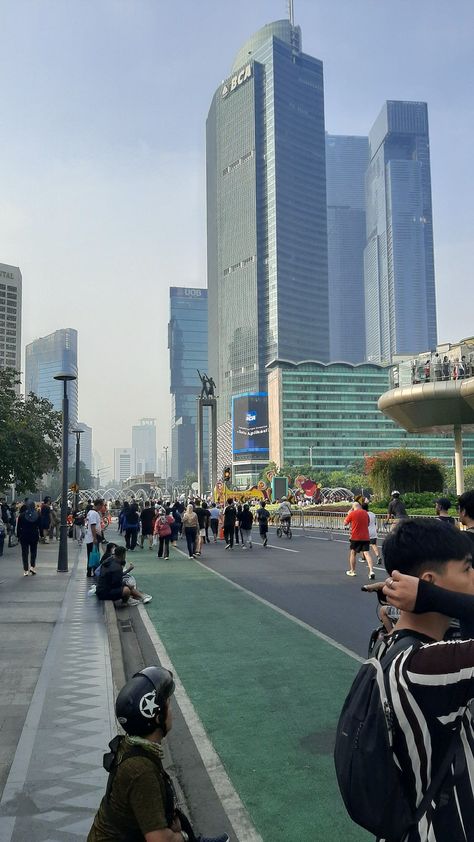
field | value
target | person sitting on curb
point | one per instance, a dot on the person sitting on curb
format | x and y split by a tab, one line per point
140	801
110	584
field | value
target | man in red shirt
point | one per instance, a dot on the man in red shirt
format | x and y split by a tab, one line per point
358	519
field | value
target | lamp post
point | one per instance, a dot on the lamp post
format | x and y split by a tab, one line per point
64	376
311	455
78	434
165	448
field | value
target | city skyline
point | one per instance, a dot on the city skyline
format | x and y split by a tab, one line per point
82	199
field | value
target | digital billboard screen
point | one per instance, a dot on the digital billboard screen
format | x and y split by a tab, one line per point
250	423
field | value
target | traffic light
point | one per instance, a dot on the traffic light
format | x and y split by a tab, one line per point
226	474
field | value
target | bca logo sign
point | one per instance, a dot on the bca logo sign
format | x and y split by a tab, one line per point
237	80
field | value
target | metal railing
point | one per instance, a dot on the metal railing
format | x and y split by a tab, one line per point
333	522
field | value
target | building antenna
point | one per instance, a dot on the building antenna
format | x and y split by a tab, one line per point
291	12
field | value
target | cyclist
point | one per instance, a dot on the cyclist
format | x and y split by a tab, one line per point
284	513
140	802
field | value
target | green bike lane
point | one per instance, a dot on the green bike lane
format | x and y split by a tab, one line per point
267	691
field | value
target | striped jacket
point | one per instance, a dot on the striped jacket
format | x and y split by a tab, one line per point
430	689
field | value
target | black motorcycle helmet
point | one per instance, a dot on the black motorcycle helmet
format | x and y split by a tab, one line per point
144	698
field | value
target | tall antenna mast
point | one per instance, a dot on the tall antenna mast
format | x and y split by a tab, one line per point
291	12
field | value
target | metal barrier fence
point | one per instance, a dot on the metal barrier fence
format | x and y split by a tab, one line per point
334	522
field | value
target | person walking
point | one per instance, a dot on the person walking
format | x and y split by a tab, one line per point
163	524
45	520
246	521
263	516
237	530
396	509
147	517
358	520
132	527
191	527
230	517
201	534
28	530
372	533
93	531
177	524
214	520
207	518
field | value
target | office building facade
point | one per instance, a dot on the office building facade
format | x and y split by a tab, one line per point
266	213
187	343
328	414
399	262
144	444
347	159
125	461
10	316
47	357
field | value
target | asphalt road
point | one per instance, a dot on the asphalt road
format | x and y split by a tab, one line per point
305	576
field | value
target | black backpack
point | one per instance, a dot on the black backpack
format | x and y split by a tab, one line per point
369	779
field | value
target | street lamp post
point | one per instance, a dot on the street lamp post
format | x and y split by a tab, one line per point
64	376
311	456
78	434
165	448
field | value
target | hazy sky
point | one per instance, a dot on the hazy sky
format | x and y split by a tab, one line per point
102	161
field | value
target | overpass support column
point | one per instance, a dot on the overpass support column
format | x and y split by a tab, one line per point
458	460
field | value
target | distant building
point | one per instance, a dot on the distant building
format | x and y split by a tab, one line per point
144	443
187	343
85	444
266	213
47	357
328	415
347	158
124	463
10	317
399	262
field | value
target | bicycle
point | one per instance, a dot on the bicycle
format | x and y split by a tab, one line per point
284	528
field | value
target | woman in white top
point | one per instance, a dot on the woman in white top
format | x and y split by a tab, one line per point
373	533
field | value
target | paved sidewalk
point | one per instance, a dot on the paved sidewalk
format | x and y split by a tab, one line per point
53	632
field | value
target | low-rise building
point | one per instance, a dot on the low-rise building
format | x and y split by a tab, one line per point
327	415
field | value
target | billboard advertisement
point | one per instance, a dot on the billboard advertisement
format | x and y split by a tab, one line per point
250	424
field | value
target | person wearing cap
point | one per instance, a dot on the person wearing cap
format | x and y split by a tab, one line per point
396	509
443	506
140	802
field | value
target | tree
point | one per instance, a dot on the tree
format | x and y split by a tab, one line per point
52	487
30	435
404	469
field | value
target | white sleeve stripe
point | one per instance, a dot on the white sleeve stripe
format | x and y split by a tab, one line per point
441	679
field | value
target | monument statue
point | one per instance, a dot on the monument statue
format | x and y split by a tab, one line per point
208	386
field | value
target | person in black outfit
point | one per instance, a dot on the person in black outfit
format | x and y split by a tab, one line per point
237	529
207	518
230	516
28	530
443	506
466	514
263	516
147	517
132	525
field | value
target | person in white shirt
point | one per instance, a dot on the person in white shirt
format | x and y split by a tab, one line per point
93	530
373	533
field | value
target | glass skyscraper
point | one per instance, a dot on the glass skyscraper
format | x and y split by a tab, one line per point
10	317
48	356
187	343
399	262
144	443
347	158
266	213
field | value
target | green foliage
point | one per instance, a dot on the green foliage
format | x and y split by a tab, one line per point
348	478
406	470
450	479
30	435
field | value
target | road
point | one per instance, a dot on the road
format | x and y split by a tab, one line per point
266	644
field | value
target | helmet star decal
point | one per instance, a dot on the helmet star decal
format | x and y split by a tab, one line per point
148	706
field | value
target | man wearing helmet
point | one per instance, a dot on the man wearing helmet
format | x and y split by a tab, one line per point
140	803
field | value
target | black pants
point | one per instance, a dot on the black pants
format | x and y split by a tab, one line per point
2	542
190	532
214	526
31	545
166	542
229	535
131	538
237	531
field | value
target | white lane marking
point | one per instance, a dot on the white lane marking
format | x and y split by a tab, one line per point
281	611
231	803
284	549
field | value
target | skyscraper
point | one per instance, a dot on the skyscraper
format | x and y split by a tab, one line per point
144	444
124	463
10	317
347	158
45	358
85	444
266	213
187	343
399	262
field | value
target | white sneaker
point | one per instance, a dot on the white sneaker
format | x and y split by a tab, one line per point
147	598
132	602
351	573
